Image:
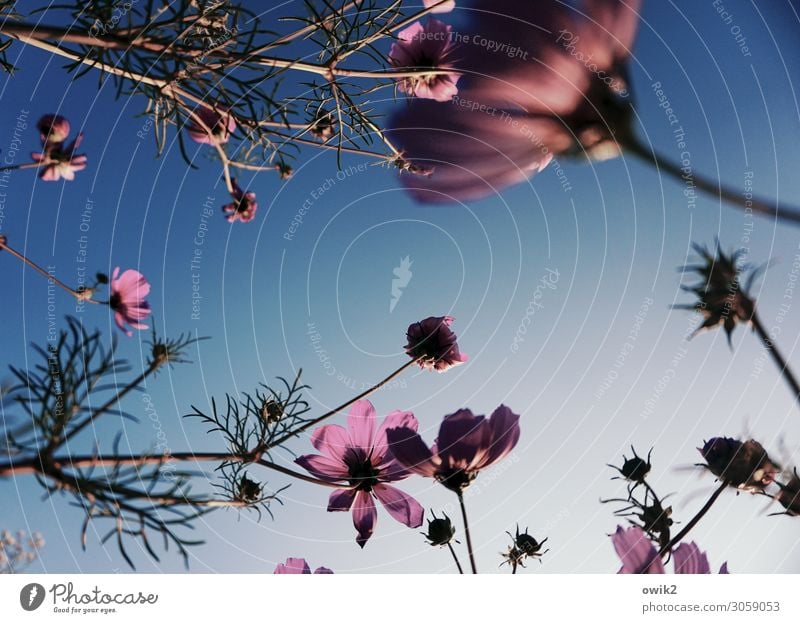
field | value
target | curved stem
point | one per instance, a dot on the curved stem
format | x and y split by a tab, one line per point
344	405
467	532
455	558
712	187
694	520
78	295
782	364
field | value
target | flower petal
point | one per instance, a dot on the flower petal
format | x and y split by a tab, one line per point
689	559
322	467
331	440
361	424
401	506
504	425
341	500
364	516
396	419
635	550
464	440
410	451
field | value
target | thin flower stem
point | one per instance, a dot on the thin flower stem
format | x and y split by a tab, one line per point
344	405
712	187
36	35
28	165
467	532
455	557
693	521
30	466
782	364
78	295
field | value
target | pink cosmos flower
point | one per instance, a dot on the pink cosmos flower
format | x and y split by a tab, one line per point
358	459
57	160
221	124
466	444
422	47
539	79
298	565
443	7
128	292
243	207
636	550
433	341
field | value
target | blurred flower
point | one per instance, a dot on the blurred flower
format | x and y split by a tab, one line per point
466	444
18	550
221	124
243	207
745	465
636	551
57	160
443	7
128	292
556	85
322	126
421	47
433	341
789	495
359	459
53	129
721	297
440	530
284	171
523	546
298	565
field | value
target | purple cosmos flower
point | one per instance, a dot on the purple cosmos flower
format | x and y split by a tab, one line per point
243	207
443	7
53	129
636	550
128	291
298	565
358	459
538	79
221	124
422	47
57	160
466	444
433	341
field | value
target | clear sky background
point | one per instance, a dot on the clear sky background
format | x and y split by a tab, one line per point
615	240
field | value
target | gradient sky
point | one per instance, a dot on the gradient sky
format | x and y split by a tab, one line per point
615	240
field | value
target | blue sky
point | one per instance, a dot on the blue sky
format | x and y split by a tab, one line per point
615	240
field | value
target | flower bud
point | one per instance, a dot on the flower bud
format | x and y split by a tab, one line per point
433	343
440	531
